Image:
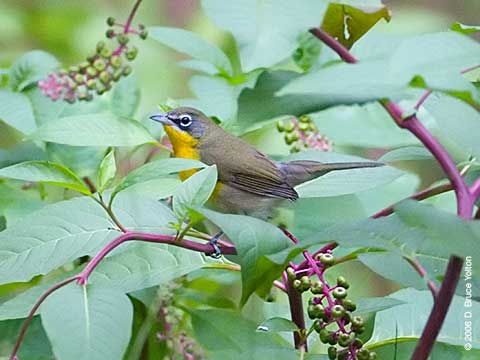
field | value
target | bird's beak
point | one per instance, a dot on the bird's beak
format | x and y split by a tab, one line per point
163	119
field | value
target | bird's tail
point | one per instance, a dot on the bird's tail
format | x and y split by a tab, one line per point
299	171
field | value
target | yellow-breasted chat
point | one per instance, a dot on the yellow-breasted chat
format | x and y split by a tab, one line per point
248	181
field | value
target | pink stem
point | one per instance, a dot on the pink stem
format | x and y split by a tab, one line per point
126	28
475	190
423	273
156	238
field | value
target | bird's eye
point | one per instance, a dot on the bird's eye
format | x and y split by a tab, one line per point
185	121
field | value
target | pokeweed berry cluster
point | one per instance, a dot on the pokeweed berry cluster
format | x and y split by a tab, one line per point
302	133
100	70
331	311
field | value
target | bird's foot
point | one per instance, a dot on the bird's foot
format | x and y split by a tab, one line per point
217	254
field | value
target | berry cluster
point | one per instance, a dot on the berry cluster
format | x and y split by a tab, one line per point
302	133
100	70
331	310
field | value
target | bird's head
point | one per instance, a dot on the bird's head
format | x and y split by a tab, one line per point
184	124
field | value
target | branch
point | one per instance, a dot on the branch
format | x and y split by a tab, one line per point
421	195
82	277
423	273
475	190
126	28
464	198
439	310
296	311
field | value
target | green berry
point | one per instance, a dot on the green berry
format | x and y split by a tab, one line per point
363	354
91	71
110	33
316	288
131	53
280	126
373	356
91	84
101	89
289	126
143	34
303	126
122	39
79	78
105	77
86	96
357	321
304	119
141	26
317	325
106	53
295	148
127	70
332	352
83	66
349	305
296	284
357	343
343	355
99	64
327	259
110	21
100	46
338	311
324	336
345	339
305	280
339	293
341	281
116	61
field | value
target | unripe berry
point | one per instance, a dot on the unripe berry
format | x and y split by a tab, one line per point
122	39
91	71
291	273
296	284
131	53
341	281
74	69
303	126
280	126
357	321
345	339
327	259
304	119
127	70
105	77
339	293
332	352
106	53
317	287
363	354
143	34
289	126
305	280
91	84
79	78
110	33
338	311
349	305
116	61
99	64
101	89
110	21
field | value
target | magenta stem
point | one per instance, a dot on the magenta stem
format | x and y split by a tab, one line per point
280	285
296	311
127	25
423	273
32	312
156	238
475	190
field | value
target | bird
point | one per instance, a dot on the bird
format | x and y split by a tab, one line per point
248	182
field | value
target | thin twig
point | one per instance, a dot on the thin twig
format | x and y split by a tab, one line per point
421	195
423	273
32	312
439	310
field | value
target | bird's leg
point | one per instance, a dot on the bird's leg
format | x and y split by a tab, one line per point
213	241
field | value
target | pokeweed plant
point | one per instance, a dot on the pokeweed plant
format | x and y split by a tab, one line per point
158	295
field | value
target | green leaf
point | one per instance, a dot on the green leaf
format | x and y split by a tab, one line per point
278	324
191	44
156	169
408	320
348	21
366	125
103	129
195	191
224	330
404	350
35	345
265	31
342	182
61	232
84	322
125	97
457	121
107	171
375	304
254	240
215	96
464	29
16	111
30	68
407	153
45	172
439	60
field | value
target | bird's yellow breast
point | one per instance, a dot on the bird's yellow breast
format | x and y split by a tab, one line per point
184	146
